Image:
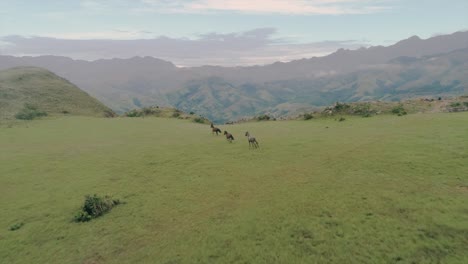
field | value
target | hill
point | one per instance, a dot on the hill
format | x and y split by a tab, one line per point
368	190
408	68
45	91
399	79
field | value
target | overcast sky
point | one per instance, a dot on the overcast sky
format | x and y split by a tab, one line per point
218	32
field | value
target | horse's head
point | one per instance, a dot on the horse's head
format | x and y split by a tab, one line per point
211	125
225	132
247	134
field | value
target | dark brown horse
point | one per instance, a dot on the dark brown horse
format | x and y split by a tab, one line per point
215	129
229	136
252	141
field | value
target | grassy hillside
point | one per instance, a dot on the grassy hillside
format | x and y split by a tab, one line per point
45	91
367	190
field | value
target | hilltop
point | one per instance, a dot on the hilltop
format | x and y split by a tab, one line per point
46	92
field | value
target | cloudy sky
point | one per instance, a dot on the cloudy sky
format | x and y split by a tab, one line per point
218	32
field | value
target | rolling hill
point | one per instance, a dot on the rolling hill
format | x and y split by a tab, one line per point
45	91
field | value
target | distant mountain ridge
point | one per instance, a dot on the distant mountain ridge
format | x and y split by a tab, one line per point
225	93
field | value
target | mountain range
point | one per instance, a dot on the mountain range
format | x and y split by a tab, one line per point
413	67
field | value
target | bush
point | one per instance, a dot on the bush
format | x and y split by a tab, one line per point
455	104
363	109
147	111
339	107
399	110
308	116
176	114
95	206
133	113
465	104
192	113
263	118
199	120
16	226
341	119
29	112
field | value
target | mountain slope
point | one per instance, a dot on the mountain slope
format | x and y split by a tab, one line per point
400	78
45	91
223	93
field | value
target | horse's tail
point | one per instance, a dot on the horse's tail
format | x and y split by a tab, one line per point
232	137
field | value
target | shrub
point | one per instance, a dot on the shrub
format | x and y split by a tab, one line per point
192	113
465	104
29	112
199	120
363	109
147	111
65	112
176	114
263	118
341	107
308	116
16	226
455	104
341	119
133	113
399	110
95	206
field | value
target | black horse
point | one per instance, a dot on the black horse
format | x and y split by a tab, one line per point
215	129
252	141
229	136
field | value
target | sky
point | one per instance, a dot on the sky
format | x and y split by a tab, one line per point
218	32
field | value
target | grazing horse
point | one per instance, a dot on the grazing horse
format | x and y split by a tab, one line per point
215	129
252	141
229	136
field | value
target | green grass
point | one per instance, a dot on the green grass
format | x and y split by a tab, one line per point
36	87
384	189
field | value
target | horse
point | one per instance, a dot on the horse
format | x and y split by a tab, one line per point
252	141
215	129
229	136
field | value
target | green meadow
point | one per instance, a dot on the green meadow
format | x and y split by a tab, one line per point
384	189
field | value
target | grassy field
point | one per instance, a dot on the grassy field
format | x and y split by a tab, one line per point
383	189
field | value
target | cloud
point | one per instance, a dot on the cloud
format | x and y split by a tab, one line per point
296	7
118	34
252	47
